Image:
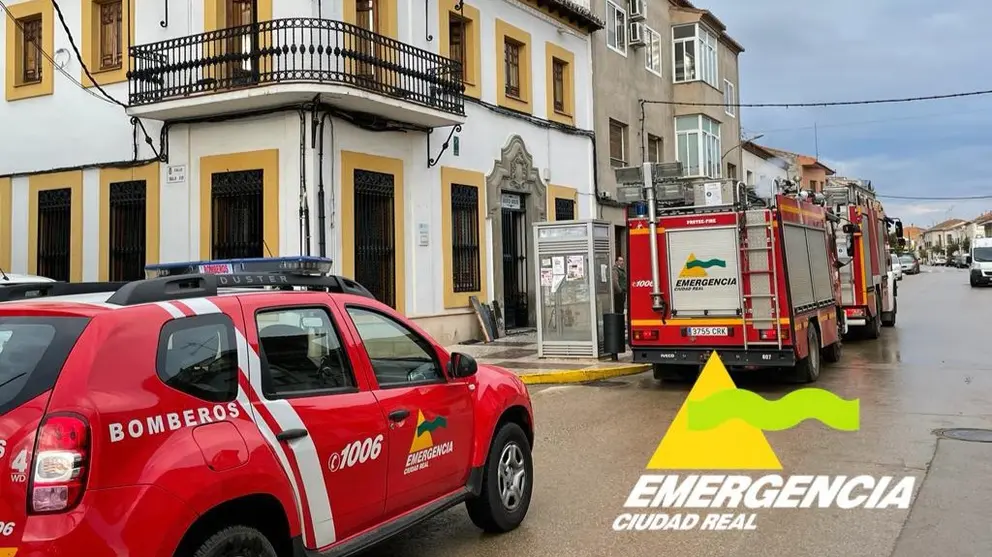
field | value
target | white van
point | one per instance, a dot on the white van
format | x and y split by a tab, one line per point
981	261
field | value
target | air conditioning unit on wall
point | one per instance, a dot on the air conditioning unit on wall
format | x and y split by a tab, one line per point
636	34
637	9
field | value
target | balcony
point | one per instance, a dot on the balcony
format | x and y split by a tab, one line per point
289	61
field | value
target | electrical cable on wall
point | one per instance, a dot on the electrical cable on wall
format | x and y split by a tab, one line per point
50	59
86	70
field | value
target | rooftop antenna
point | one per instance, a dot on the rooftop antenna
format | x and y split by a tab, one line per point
816	141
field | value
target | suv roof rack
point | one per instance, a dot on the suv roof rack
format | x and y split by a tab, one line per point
284	273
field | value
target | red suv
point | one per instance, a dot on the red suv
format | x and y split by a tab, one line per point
229	412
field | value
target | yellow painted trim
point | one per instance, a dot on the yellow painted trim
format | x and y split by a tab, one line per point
552	52
388	16
43	182
150	175
46	86
6	227
694	322
561	192
643	231
451	176
582	375
473	45
215	13
350	162
90	38
268	162
525	103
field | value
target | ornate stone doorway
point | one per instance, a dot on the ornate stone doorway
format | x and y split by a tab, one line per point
514	285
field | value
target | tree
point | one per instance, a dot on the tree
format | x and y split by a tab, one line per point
965	244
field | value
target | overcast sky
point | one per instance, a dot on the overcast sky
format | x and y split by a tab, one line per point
805	51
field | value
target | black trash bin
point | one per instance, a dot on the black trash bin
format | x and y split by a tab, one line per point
614	337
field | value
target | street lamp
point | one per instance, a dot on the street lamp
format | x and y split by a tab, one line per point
759	136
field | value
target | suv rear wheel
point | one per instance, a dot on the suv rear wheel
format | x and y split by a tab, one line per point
237	541
507	482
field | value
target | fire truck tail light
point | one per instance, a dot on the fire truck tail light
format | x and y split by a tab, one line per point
646	335
767	334
854	312
60	464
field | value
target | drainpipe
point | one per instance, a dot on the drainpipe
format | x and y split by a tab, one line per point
304	205
321	210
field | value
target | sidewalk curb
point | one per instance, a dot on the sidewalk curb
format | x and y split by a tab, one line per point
582	375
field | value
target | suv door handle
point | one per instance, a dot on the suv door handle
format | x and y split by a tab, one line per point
399	415
291	434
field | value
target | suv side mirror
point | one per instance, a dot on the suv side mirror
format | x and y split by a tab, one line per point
462	365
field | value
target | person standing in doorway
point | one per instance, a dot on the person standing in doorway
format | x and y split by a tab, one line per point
619	286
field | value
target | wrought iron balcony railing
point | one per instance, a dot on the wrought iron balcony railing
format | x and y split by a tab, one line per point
297	50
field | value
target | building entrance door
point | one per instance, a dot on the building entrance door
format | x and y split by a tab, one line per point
514	262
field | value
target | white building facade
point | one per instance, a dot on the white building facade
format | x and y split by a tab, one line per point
299	127
762	168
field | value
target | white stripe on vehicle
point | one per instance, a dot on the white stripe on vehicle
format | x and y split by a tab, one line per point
175	312
310	466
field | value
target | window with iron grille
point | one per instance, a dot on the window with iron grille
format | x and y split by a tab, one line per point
456	41
237	217
54	233
558	79
111	45
465	264
618	143
564	209
127	230
30	49
511	56
375	234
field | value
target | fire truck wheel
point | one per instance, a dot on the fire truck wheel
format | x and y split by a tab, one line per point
874	328
808	369
832	353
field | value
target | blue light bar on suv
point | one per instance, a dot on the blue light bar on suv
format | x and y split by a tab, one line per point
293	265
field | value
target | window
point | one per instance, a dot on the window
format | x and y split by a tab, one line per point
465	255
698	140
655	150
564	208
32	351
652	54
511	59
729	98
558	83
111	41
616	28
457	42
731	171
301	353
399	356
198	356
750	178
695	52
29	50
618	143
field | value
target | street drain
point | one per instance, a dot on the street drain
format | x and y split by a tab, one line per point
973	435
605	383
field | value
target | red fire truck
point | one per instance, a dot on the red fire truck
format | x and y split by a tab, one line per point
754	280
867	283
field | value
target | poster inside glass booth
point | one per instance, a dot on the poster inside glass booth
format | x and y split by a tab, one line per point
576	286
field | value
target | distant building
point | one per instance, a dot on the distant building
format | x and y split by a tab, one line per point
948	233
761	168
812	173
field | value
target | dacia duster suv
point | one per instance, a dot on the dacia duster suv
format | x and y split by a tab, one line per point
199	415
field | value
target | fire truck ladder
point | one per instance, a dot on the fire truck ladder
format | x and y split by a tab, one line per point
761	303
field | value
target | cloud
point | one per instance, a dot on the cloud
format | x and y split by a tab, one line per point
801	51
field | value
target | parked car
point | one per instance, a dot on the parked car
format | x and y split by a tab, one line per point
11	279
910	265
180	416
940	261
895	266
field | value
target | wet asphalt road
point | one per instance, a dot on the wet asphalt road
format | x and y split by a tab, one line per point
933	370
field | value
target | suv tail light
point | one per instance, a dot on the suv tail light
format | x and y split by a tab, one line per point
60	463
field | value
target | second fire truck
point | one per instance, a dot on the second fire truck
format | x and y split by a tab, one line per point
867	284
757	283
